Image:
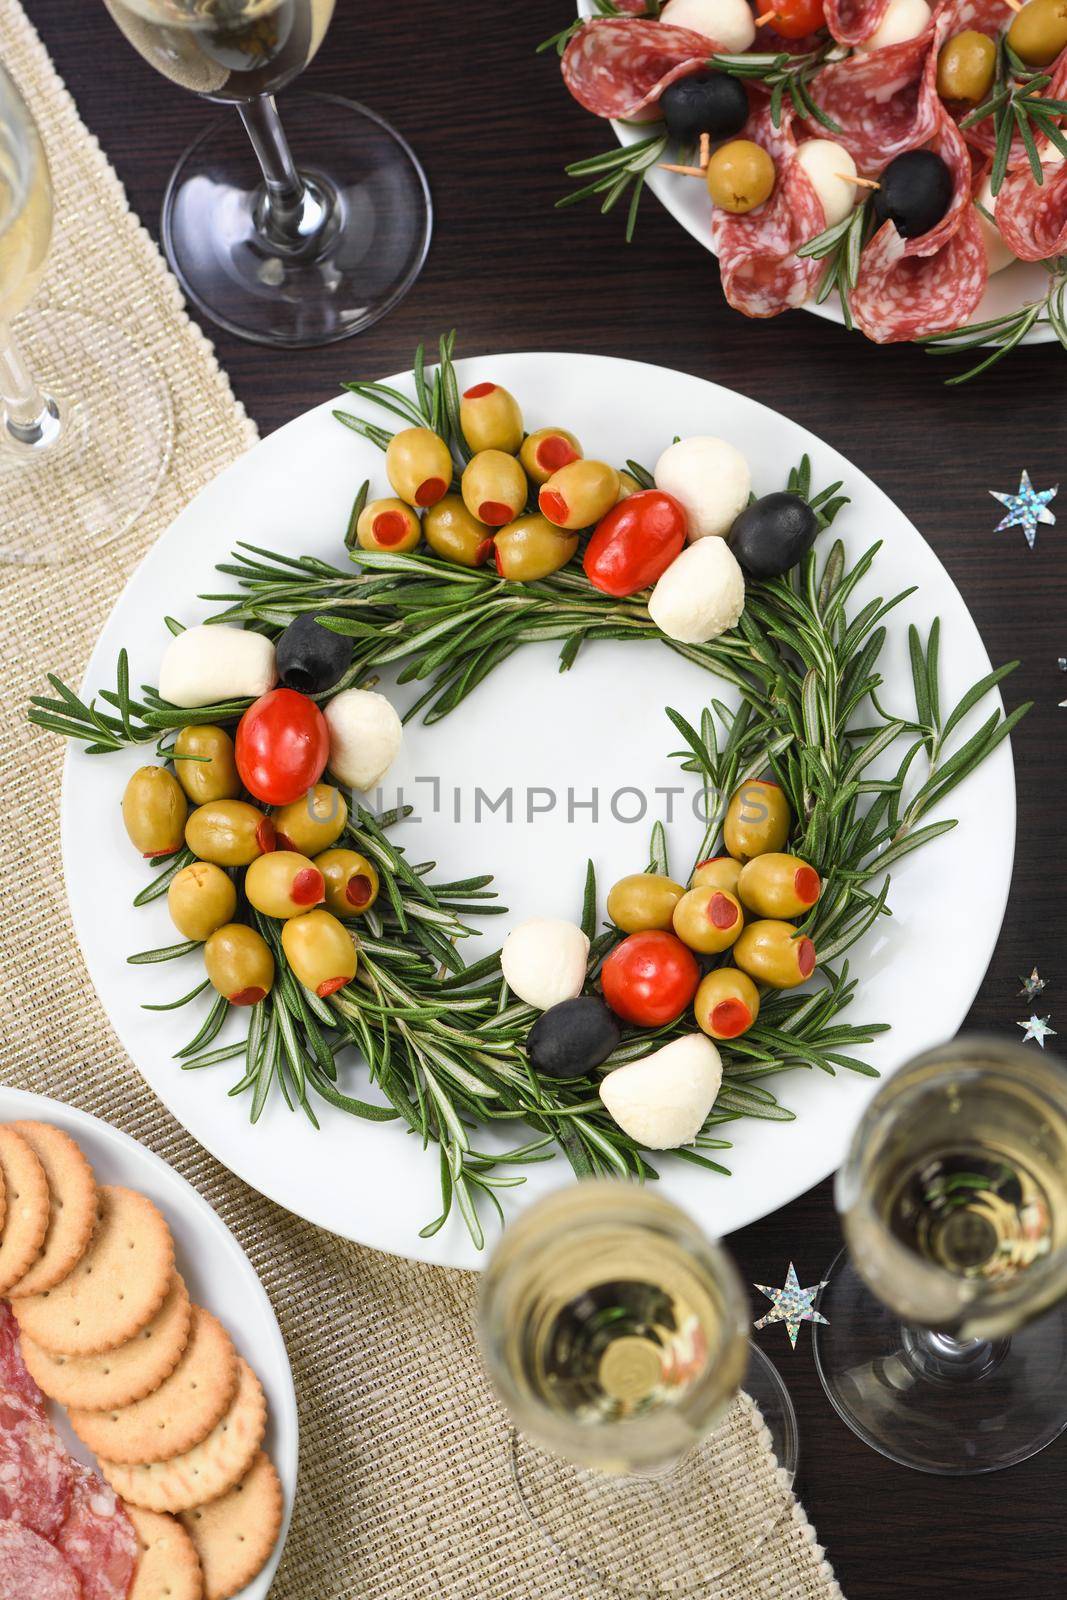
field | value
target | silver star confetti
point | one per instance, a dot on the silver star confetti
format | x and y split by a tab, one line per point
1026	508
1033	985
1037	1028
791	1305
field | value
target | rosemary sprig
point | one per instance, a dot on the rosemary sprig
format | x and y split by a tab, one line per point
615	172
603	8
1004	333
784	74
1017	104
841	247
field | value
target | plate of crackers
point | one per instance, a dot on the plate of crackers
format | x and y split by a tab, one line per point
148	1423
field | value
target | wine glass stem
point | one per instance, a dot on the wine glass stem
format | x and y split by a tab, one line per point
31	419
294	213
940	1357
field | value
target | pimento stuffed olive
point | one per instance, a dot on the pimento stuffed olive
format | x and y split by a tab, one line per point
229	832
204	764
777	885
490	418
239	964
320	951
546	451
313	822
708	919
154	809
726	1004
453	533
579	494
531	547
201	898
418	464
387	525
643	900
718	872
284	884
493	487
772	952
351	882
650	978
282	746
757	820
635	542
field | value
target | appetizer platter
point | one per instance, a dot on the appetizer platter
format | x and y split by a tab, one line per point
621	651
893	164
150	1430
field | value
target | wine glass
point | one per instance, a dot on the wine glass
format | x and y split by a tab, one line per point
85	422
274	252
615	1334
946	1341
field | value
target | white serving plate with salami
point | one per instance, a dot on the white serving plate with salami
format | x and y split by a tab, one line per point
601	726
218	1274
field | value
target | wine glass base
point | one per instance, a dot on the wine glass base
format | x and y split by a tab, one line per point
368	254
670	1534
1003	1405
105	449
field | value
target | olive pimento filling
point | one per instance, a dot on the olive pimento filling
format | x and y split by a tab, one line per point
266	837
730	1017
248	997
430	490
555	452
494	512
308	887
389	527
722	913
479	391
806	957
330	986
806	883
358	890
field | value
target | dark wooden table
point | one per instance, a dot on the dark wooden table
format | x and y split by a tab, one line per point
494	128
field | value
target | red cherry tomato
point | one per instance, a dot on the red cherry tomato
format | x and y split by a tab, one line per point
282	746
795	19
635	543
650	978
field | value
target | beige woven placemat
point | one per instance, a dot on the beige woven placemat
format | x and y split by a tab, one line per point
404	1487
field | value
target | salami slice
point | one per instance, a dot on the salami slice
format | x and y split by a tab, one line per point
948	144
98	1539
852	21
992	17
14	1379
906	296
35	1470
1032	217
32	1569
619	66
884	101
761	272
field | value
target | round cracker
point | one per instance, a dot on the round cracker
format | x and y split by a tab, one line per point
235	1534
117	1287
181	1412
72	1206
169	1568
207	1471
117	1377
28	1207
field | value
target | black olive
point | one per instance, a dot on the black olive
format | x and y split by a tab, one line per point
310	657
704	102
771	535
914	192
570	1039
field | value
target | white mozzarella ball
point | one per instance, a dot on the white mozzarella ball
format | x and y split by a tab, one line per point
833	176
365	736
544	961
997	252
710	478
904	19
729	22
664	1099
205	665
701	594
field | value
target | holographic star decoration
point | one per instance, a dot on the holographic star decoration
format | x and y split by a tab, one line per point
1026	508
1037	1028
791	1305
1033	985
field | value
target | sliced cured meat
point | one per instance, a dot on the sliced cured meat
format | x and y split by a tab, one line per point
992	17
32	1569
619	66
948	144
902	295
14	1379
852	21
35	1470
884	102
98	1539
761	272
1032	217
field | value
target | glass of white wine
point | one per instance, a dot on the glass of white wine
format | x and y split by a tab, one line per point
275	251
946	1341
615	1334
85	422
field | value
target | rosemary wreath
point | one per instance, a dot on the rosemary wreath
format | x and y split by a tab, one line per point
443	1038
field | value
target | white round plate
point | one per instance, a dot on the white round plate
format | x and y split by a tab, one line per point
552	739
216	1269
689	203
